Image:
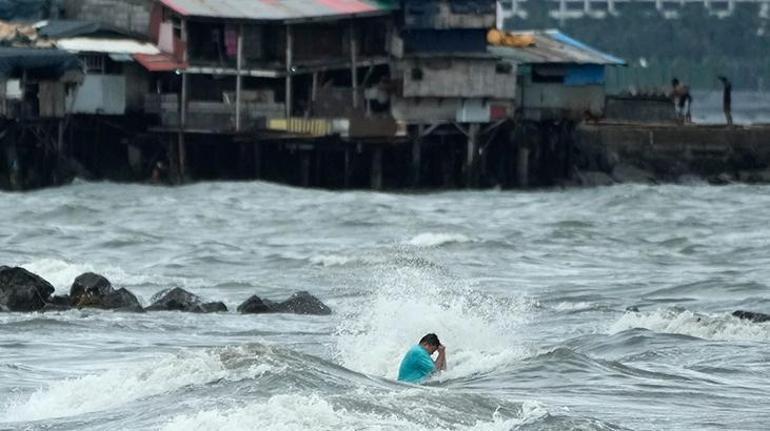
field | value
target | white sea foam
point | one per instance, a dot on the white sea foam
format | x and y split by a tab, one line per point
331	260
298	412
437	239
124	384
710	327
61	274
480	332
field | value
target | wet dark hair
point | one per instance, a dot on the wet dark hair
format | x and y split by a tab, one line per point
675	82
430	339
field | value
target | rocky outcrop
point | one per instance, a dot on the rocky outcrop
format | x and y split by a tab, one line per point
303	303
178	299
58	303
91	290
21	290
752	316
299	303
594	179
624	173
255	305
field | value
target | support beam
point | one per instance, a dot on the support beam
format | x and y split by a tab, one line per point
304	168
289	67
182	158
239	80
417	156
258	160
376	172
60	138
522	166
353	62
472	159
313	94
346	180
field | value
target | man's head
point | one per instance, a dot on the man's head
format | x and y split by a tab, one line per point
430	342
674	82
722	78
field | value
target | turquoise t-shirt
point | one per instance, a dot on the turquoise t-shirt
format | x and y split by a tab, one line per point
416	366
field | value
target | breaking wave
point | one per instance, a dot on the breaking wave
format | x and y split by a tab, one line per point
721	327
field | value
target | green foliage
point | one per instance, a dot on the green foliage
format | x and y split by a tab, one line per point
696	47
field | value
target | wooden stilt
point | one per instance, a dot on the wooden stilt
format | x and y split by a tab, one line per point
376	172
182	158
258	161
289	67
304	157
522	166
472	156
346	180
417	156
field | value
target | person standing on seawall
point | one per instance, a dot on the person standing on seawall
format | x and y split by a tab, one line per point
727	99
682	101
418	363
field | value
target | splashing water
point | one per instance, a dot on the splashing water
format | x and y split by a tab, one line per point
406	302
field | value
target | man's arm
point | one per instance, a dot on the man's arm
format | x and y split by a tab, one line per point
441	360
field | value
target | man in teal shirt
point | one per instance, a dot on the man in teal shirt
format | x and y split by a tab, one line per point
418	364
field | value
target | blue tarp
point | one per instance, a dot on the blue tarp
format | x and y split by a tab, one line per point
30	10
584	74
38	63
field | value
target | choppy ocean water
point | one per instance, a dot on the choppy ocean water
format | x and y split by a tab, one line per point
528	290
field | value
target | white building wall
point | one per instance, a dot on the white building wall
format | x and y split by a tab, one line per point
99	94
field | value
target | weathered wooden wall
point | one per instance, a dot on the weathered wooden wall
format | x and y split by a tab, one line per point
451	77
133	15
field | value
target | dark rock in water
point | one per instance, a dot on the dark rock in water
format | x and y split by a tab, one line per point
594	179
633	309
60	300
89	284
95	291
689	180
178	299
21	290
303	303
623	173
58	303
121	300
214	307
752	316
55	307
255	305
722	179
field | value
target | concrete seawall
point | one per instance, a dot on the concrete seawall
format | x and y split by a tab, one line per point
672	153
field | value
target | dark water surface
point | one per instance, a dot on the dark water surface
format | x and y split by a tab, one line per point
527	290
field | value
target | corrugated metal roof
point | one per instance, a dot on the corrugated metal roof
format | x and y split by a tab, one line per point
553	46
110	46
279	10
159	62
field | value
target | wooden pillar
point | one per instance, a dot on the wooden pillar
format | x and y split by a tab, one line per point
376	172
12	158
173	159
239	80
354	62
472	153
289	67
182	158
258	160
304	157
313	94
346	180
181	150
60	138
417	156
522	166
